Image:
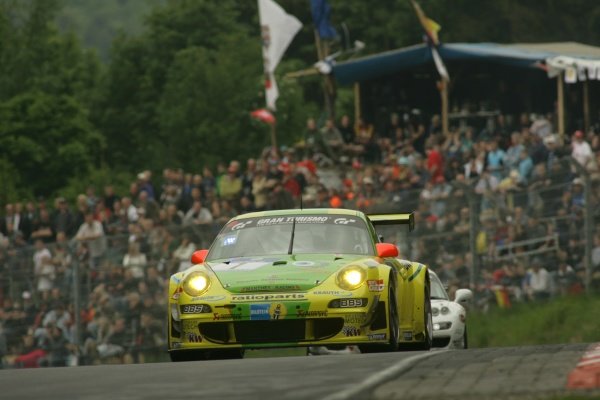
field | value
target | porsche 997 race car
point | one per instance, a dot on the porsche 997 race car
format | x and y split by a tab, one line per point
289	278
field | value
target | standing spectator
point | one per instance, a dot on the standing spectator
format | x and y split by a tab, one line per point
129	210
197	215
92	233
582	151
45	275
144	184
435	161
63	219
230	185
346	130
495	158
147	207
7	220
538	281
525	166
513	154
43	228
183	254
135	261
248	177
110	197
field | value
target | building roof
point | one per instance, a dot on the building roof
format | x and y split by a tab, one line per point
523	55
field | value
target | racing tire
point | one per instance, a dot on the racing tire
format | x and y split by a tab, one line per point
394	326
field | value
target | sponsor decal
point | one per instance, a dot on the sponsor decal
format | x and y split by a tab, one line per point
268	297
208	298
376	285
269	288
278	311
355	318
241	225
193	337
240	265
376	336
351	331
177	293
348	303
343	221
307	314
190	325
336	293
307	219
229	240
195	308
259	312
176	279
220	316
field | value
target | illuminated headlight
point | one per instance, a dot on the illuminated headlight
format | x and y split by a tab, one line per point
435	311
351	277
442	326
196	283
175	312
445	310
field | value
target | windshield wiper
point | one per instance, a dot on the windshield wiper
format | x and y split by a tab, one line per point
292	238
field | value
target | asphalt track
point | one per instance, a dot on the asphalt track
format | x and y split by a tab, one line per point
498	373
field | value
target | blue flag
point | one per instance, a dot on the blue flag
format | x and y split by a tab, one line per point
320	12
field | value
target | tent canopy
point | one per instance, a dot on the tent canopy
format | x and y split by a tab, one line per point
521	55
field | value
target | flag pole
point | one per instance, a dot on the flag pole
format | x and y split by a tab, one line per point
322	53
444	95
274	134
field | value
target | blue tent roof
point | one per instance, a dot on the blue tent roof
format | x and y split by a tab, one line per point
517	55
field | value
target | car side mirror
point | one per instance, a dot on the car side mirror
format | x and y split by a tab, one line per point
385	250
463	295
199	256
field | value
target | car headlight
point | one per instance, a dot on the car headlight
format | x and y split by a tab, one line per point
351	277
196	283
445	310
435	311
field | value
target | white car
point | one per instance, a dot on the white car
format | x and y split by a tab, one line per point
449	317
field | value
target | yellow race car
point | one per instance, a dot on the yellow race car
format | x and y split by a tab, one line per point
290	278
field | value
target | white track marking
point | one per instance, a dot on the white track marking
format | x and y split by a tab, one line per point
382	376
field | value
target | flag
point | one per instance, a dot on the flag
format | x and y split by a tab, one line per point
321	12
430	26
264	115
431	29
277	30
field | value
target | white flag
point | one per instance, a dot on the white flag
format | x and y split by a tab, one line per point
439	64
278	28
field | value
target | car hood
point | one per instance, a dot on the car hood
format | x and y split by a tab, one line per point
279	273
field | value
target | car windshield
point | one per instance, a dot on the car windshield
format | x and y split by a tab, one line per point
437	289
321	233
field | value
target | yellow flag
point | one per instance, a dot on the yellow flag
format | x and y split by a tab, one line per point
430	26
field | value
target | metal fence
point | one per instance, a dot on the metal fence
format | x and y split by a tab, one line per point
79	302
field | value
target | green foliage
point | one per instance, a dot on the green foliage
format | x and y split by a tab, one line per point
48	138
98	178
562	320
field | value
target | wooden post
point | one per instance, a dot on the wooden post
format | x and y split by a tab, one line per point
444	94
560	100
357	113
586	106
273	135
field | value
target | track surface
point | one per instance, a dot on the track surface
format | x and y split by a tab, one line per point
540	371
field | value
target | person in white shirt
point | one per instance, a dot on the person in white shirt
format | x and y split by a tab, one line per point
91	232
582	151
538	287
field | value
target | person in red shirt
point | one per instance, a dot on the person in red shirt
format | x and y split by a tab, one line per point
435	162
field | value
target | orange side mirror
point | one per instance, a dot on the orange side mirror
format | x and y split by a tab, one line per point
199	256
385	250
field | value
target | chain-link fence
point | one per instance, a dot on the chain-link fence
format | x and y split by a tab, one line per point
103	300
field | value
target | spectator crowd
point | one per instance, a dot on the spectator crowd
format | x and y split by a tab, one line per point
103	259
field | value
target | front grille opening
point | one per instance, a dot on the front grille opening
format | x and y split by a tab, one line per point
380	320
215	332
326	328
270	331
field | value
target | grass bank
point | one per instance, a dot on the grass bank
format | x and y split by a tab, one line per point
561	320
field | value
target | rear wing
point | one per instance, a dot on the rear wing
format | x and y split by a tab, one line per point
393	219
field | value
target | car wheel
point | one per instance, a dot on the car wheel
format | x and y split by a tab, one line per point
393	323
